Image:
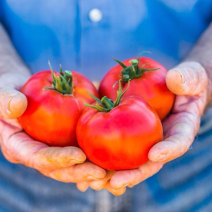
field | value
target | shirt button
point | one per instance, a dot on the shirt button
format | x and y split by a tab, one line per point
95	15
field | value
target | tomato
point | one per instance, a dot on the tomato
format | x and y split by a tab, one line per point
55	105
147	81
119	136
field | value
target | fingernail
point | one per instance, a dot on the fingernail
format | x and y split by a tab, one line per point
125	185
181	75
161	157
16	104
12	102
91	177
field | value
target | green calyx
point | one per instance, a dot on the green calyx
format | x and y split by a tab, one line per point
62	83
133	71
104	104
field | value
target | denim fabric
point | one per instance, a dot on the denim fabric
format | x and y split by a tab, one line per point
183	185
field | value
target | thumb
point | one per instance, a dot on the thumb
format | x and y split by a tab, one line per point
12	103
189	78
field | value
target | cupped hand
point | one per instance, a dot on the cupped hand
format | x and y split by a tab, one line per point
189	82
65	164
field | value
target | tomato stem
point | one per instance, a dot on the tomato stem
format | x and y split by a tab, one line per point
105	104
63	82
133	71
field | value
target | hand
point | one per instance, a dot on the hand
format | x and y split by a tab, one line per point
189	82
63	164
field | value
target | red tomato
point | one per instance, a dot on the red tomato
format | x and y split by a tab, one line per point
51	116
121	138
145	82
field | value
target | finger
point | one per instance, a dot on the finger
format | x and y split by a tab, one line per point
38	155
8	157
177	141
57	157
189	78
78	173
99	184
12	104
132	177
116	192
83	186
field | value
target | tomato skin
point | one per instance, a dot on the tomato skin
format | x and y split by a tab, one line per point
51	117
119	139
151	86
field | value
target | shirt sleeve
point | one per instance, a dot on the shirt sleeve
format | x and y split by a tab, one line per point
206	10
1	12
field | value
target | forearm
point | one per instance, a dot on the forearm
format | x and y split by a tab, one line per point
10	62
202	53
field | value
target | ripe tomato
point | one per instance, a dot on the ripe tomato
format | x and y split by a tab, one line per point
147	81
55	103
120	136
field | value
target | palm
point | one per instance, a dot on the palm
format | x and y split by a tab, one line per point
183	122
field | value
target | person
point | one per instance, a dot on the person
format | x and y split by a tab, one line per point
84	36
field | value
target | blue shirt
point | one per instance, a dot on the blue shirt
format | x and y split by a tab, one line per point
62	32
65	32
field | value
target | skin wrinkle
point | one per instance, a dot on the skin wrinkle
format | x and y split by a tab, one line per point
29	161
201	105
9	137
98	185
192	119
72	172
192	105
56	174
17	155
145	172
179	142
52	158
175	123
179	130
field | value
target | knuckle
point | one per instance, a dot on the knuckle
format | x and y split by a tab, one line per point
59	176
157	168
194	77
8	157
184	148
